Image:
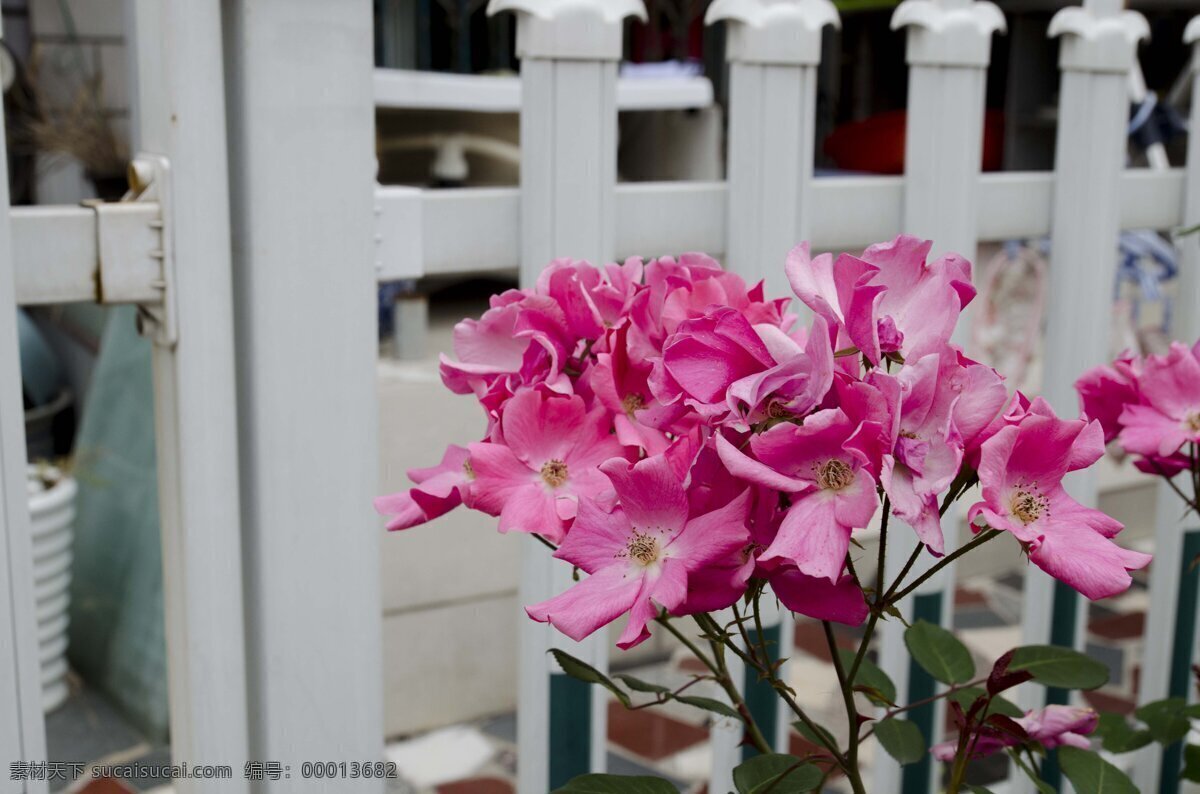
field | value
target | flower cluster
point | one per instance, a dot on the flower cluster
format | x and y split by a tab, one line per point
1149	406
681	437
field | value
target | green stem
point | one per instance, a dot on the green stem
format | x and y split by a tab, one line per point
782	690
876	609
847	687
721	672
980	539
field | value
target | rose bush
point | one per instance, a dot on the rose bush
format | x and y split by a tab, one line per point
690	446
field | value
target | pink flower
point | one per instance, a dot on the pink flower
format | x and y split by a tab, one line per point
1053	726
818	598
522	340
439	490
1021	470
1104	392
705	356
1169	414
730	371
794	386
621	383
641	556
831	489
548	458
890	300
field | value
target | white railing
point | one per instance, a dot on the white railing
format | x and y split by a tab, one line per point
287	667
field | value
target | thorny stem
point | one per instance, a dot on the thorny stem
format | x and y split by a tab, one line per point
980	539
847	687
721	674
781	688
666	623
892	712
1194	502
912	560
874	618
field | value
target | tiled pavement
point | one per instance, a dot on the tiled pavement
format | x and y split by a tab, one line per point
669	741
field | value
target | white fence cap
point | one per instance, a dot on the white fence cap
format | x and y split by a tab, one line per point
1099	36
949	32
784	32
583	30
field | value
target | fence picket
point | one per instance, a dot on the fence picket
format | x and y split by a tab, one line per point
1099	44
1172	621
180	102
569	53
22	727
773	51
948	51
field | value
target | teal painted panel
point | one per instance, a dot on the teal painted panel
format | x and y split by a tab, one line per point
570	729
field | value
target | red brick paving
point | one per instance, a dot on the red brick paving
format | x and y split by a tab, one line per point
1126	626
651	734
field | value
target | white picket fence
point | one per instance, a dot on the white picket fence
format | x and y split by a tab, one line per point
264	327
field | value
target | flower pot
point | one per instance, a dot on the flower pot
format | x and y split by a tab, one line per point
52	514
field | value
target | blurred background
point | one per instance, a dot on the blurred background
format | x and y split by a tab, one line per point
447	98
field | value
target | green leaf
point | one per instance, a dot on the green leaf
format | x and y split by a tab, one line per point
902	740
1091	773
1059	667
939	653
1191	763
776	772
638	685
583	671
708	704
999	705
812	736
878	688
1119	736
1165	719
616	784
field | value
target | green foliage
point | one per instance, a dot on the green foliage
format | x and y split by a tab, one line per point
1191	763
1118	736
708	704
615	784
638	685
1166	720
812	736
1059	667
1091	773
902	740
776	773
939	653
969	694
585	672
870	680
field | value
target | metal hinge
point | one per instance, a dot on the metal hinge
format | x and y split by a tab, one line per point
136	249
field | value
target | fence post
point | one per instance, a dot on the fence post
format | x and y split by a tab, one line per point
1099	45
1172	627
773	49
300	92
22	728
569	50
180	116
948	51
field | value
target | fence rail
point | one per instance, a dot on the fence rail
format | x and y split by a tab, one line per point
418	231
